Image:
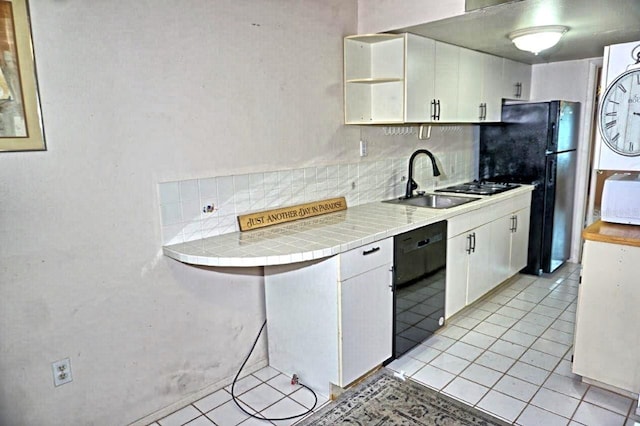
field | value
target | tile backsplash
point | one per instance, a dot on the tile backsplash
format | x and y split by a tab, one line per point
199	208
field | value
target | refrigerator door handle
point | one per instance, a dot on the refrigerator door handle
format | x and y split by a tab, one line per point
551	172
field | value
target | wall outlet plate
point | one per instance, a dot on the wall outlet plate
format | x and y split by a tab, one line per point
364	149
61	372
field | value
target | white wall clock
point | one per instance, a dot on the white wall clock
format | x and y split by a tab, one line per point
619	114
618	139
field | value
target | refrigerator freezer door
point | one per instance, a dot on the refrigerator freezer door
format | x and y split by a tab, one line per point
566	135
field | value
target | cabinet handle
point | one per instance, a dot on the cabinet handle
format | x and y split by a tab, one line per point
484	114
468	244
518	93
480	112
392	286
433	109
438	109
515	227
368	252
473	237
512	226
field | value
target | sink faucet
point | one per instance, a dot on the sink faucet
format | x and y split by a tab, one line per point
411	184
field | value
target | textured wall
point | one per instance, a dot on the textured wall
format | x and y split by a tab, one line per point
133	94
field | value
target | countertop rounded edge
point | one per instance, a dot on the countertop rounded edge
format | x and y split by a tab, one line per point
250	253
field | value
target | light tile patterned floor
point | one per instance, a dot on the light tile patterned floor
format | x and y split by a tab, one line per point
509	355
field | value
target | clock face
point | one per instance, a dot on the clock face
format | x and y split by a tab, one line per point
620	114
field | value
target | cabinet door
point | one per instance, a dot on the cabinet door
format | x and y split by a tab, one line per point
516	79
366	322
492	88
457	263
480	267
446	81
520	241
419	79
470	86
501	231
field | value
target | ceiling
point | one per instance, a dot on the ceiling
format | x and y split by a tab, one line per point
592	24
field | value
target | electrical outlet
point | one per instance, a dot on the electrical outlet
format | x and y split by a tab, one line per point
364	148
61	372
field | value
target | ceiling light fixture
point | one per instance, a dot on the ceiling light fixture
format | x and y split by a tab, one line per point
536	39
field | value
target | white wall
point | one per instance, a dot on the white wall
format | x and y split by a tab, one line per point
376	16
572	81
134	93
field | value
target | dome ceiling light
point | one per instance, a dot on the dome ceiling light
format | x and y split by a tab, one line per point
537	39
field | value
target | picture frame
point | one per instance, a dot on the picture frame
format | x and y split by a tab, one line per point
21	125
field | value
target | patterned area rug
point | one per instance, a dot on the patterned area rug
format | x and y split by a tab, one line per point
383	399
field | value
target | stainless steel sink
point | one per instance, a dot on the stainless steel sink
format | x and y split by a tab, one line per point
433	201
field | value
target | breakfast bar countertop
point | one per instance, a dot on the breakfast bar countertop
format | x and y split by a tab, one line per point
320	236
613	233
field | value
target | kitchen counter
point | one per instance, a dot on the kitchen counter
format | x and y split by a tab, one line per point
321	236
614	233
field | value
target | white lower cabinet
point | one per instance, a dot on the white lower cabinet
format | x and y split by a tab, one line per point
480	271
484	248
366	322
607	342
330	321
519	240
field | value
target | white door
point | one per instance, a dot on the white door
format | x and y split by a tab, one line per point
457	264
446	81
366	322
420	78
520	241
492	88
480	267
470	86
501	231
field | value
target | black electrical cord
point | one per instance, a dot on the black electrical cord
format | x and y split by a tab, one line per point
260	417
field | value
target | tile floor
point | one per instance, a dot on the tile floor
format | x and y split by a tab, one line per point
509	355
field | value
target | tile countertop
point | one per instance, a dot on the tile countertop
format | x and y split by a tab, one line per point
320	236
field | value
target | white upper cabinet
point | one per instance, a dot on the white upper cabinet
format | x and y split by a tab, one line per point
420	77
445	102
406	78
470	78
492	88
516	80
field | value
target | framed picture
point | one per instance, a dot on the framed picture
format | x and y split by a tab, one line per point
21	126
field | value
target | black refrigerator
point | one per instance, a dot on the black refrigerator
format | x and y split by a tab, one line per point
536	144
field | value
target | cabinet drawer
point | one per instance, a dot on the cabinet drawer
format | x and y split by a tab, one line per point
366	258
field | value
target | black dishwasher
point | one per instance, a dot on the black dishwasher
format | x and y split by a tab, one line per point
420	259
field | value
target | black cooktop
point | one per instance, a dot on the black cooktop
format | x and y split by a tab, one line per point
480	187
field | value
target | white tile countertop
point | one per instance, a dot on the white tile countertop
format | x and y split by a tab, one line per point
321	236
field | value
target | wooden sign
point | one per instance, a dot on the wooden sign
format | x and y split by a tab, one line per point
289	214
